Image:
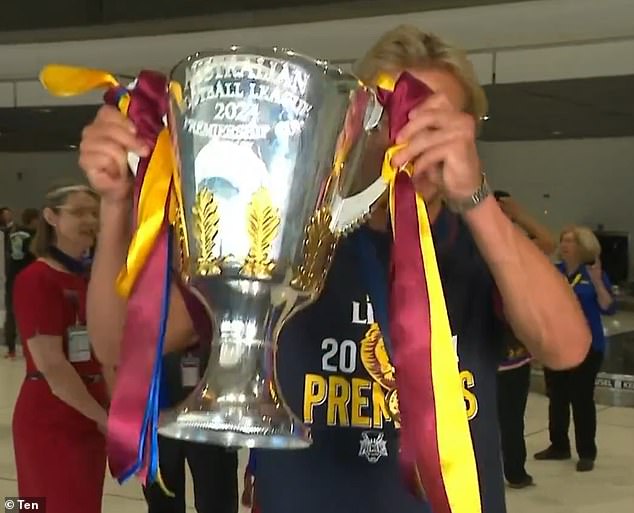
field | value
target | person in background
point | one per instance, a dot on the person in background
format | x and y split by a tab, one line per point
6	218
353	464
6	226
535	231
580	263
20	256
514	372
60	415
214	469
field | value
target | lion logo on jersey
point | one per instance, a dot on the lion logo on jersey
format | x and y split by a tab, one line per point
377	362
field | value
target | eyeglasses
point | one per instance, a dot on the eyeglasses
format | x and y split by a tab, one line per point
80	211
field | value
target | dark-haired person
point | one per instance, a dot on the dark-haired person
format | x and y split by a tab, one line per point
537	232
214	469
6	219
19	257
514	372
60	414
580	263
353	463
6	227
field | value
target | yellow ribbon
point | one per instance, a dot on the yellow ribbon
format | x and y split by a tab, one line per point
455	447
176	92
60	80
162	485
157	188
386	81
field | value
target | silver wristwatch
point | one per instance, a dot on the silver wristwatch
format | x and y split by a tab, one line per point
464	205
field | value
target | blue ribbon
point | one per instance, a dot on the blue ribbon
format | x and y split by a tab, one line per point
113	95
158	389
159	384
165	399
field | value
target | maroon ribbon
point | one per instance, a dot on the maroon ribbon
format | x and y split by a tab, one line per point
148	105
410	322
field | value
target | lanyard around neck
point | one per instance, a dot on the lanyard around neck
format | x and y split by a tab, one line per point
71	264
575	281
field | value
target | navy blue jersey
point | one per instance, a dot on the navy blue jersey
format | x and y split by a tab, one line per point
587	296
337	377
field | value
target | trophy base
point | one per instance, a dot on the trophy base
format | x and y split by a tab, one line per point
231	427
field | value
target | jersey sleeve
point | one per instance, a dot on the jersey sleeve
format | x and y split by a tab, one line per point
199	314
38	304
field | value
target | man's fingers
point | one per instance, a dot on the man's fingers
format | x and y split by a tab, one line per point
438	119
437	101
423	142
427	120
115	133
107	156
432	160
111	115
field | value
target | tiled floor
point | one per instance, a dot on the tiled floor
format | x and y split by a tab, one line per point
609	489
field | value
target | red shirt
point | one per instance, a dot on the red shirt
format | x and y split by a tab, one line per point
49	302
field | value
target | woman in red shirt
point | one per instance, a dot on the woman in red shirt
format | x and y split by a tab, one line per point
60	415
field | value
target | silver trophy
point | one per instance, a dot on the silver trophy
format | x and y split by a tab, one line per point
279	157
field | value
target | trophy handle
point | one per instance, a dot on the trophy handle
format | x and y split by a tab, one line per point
350	212
354	210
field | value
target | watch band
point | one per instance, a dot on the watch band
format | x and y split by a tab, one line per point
480	194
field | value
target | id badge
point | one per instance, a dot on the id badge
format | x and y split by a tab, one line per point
78	344
190	371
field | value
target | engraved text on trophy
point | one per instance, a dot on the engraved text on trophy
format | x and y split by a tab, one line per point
245	116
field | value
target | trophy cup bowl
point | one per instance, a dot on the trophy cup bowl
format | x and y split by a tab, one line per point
273	150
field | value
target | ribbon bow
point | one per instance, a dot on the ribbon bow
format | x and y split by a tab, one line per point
437	454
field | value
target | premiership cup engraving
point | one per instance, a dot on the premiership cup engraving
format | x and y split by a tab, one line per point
270	146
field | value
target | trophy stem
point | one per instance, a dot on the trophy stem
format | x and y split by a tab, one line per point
235	404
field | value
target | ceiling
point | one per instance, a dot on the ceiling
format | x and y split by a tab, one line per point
571	109
44	14
567	109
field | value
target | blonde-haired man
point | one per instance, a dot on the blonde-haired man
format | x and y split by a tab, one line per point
327	361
